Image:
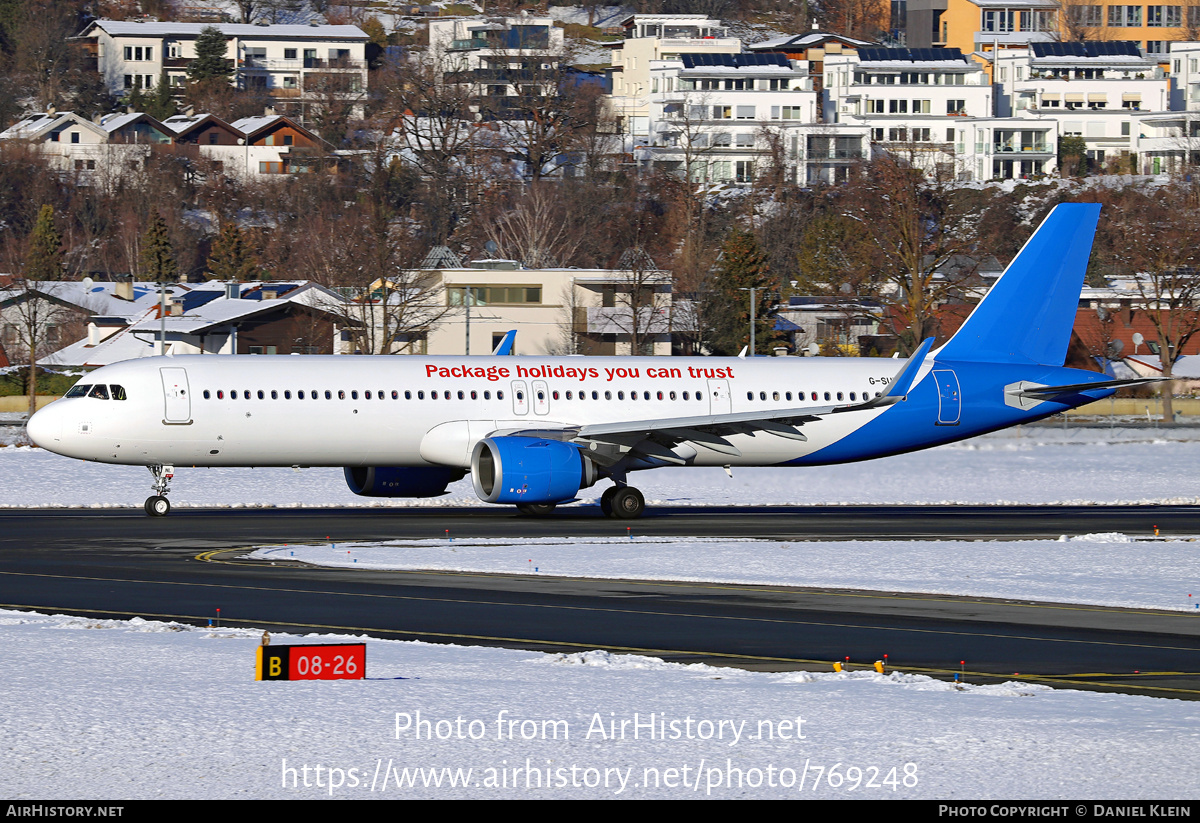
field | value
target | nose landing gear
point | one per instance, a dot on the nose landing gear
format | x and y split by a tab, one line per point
158	505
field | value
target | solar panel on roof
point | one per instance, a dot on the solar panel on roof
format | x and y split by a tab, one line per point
734	61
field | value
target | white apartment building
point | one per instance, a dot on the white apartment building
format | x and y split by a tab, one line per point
503	58
1169	141
652	37
716	116
727	118
297	66
1091	90
925	104
1184	63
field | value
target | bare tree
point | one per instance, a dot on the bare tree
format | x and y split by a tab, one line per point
33	310
1154	240
914	226
428	114
537	228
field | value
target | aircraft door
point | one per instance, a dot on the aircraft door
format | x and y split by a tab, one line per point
520	393
177	401
718	397
949	397
541	397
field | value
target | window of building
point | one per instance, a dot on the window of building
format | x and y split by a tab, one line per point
1090	16
745	112
1037	21
1126	16
956	107
289	54
997	20
494	295
1156	47
1167	16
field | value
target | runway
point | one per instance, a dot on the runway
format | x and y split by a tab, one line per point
120	563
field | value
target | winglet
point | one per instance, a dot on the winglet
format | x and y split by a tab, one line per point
505	346
902	382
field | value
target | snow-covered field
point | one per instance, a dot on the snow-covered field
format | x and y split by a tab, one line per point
103	709
136	709
1037	465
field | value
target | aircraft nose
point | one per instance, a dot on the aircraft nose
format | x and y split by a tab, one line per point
45	427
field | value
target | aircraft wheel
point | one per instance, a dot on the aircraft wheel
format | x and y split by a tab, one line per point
536	509
606	501
158	506
628	503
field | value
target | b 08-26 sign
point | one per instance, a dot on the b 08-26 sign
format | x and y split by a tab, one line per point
342	661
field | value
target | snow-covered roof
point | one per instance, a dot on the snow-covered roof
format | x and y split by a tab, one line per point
1187	366
248	31
138	337
100	299
36	125
803	41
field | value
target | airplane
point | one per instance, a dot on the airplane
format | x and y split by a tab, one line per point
534	431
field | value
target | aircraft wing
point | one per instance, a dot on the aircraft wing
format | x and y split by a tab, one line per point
608	442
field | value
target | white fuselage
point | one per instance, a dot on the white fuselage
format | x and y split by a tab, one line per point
421	411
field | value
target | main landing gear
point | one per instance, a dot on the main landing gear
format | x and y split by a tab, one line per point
622	503
158	505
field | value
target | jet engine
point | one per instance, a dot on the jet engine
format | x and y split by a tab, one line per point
396	481
529	470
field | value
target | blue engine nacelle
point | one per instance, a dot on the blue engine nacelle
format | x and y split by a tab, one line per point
529	470
395	481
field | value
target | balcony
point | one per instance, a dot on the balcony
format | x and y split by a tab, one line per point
344	63
1016	148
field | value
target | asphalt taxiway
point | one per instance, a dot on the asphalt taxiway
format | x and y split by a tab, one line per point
120	563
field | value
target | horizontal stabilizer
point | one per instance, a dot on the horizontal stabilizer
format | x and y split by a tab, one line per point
1050	392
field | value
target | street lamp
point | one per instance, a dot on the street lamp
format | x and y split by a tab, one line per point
753	307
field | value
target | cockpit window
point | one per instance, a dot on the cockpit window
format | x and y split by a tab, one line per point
99	391
79	390
118	392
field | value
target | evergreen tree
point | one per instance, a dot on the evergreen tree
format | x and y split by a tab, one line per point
726	309
160	104
43	257
231	257
210	62
157	257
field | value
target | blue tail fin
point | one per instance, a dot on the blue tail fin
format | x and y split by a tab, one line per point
1028	314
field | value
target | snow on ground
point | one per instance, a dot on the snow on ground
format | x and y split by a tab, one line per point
1034	465
122	710
1101	569
152	710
